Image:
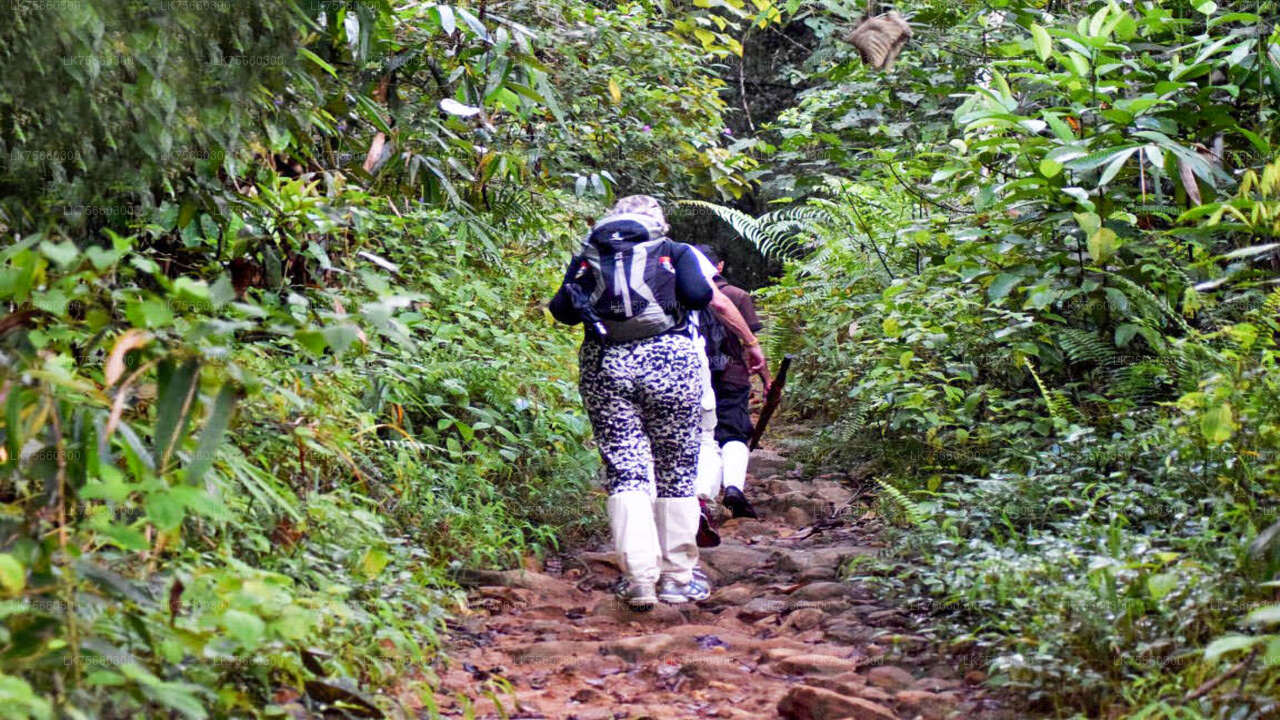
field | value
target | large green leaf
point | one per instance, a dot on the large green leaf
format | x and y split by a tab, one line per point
211	437
1230	643
177	383
1217	424
1113	167
1160	585
319	61
181	697
1102	244
247	628
1097	159
1267	615
1040	38
1001	286
165	509
13	576
19	700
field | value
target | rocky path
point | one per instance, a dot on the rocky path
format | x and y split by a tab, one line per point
781	635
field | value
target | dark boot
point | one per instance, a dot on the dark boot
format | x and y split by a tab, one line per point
707	535
738	504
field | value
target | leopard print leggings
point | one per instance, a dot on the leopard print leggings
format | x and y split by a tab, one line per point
643	397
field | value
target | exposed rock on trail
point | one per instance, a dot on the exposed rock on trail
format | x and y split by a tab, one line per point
780	637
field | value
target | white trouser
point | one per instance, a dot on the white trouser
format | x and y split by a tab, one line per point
734	457
677	521
707	483
635	535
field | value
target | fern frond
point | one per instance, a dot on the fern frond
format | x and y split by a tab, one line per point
1271	306
1151	306
851	424
1141	382
1083	346
1059	406
912	511
778	234
741	223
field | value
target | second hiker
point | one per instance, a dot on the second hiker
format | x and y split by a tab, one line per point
723	455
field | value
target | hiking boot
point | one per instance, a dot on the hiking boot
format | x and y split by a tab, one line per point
640	597
670	591
738	503
707	535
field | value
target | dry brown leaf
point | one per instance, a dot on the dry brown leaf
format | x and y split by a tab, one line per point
130	340
880	39
1189	182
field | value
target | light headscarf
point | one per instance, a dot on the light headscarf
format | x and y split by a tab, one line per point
644	206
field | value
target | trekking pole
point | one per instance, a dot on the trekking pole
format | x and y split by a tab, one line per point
771	401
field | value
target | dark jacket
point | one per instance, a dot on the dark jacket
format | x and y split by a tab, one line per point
736	372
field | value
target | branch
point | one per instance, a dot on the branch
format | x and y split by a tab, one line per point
867	229
924	197
742	84
786	37
1231	672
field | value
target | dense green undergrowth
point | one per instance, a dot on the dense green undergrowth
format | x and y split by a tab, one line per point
274	363
1032	282
375	438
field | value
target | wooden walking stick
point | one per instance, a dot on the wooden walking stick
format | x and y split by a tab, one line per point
879	38
771	401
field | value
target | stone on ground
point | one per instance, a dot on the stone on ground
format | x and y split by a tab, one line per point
644	647
767	462
805	702
823	591
814	665
731	561
890	677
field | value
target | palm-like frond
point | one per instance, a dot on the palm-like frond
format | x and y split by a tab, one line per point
915	514
779	234
1057	402
1083	346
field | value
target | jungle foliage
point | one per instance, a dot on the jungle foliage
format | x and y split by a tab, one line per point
1032	288
274	359
274	363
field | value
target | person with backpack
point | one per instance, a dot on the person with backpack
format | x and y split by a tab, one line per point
723	454
633	288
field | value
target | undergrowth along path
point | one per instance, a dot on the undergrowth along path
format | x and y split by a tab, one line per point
781	635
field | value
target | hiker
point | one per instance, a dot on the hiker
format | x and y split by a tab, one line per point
633	289
723	452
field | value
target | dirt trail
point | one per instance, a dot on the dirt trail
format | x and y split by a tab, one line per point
779	637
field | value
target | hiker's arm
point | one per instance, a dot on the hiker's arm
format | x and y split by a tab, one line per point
728	313
748	309
747	306
693	289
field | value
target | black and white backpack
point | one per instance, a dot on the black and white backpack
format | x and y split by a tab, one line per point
626	270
